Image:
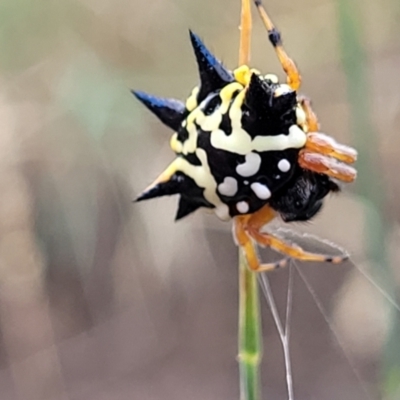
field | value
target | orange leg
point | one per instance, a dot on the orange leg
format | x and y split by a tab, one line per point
311	118
293	251
288	65
245	33
323	144
247	233
318	142
323	164
248	247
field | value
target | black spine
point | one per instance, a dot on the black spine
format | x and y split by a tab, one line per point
213	75
171	112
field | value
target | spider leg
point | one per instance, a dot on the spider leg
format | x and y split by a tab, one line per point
247	234
288	65
291	250
245	33
318	142
325	145
327	165
247	245
311	119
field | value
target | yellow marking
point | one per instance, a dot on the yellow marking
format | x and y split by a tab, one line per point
199	116
207	123
203	178
207	181
191	102
271	77
243	74
211	122
222	212
301	118
166	174
300	115
296	139
240	142
175	144
235	112
226	95
191	143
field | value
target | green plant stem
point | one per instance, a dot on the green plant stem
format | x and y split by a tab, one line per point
250	344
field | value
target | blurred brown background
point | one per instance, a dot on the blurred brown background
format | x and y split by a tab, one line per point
104	299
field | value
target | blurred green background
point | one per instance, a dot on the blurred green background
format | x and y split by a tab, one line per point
104	299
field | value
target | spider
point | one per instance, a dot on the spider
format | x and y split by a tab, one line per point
249	147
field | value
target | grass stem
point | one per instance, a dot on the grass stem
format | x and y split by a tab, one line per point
250	344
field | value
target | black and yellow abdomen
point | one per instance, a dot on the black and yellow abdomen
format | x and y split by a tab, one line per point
237	140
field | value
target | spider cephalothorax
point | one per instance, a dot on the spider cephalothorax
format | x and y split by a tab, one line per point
247	146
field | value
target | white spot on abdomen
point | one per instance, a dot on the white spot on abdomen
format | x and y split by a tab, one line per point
242	207
284	165
260	190
228	187
251	166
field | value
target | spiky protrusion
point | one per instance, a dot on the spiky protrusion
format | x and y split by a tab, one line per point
173	185
213	75
171	112
272	109
191	197
260	97
186	207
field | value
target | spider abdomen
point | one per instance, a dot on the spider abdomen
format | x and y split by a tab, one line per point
237	141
